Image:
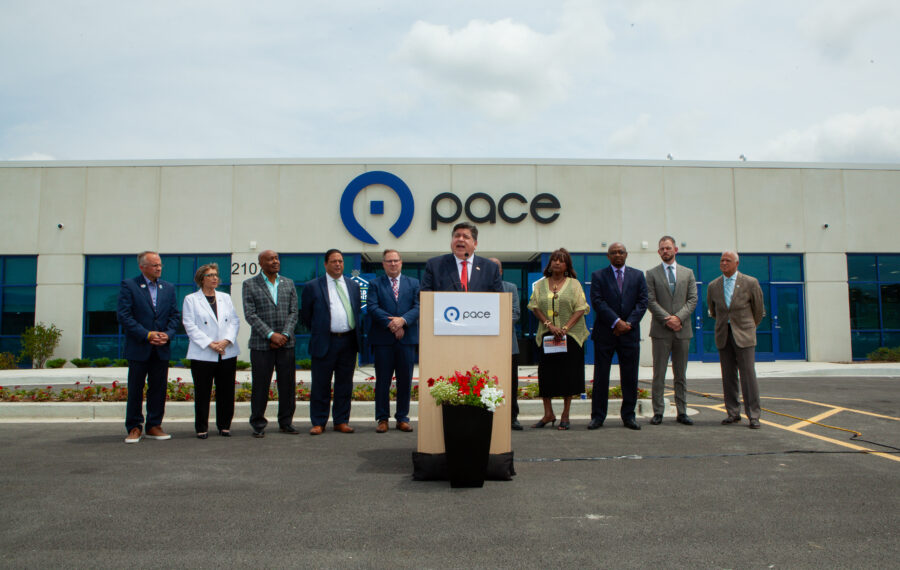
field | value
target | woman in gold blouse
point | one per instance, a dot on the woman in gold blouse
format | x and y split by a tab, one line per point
558	302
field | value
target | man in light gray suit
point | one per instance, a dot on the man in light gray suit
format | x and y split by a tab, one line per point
270	308
509	287
672	292
735	300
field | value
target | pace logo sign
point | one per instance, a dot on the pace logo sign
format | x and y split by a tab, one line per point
466	314
376	207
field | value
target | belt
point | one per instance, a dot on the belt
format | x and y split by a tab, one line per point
348	333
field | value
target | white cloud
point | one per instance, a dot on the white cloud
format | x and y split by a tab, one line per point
872	136
836	26
33	156
631	137
505	69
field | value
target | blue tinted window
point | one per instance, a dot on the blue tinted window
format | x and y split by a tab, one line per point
20	270
303	268
102	269
787	268
889	268
755	266
709	267
861	268
18	283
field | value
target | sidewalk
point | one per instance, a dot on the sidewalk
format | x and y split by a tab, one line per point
363	412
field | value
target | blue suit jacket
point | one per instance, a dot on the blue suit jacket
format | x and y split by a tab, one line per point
315	313
441	274
137	316
609	305
382	306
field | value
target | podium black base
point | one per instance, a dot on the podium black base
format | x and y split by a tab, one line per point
433	467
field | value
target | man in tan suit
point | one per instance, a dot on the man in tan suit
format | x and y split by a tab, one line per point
672	291
735	300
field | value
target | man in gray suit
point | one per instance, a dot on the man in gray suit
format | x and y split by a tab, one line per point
509	287
735	300
270	308
672	292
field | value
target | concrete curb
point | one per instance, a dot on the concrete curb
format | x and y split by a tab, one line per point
361	412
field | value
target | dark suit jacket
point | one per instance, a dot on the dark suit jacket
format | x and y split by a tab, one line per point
264	316
629	305
382	306
745	313
137	316
441	274
315	312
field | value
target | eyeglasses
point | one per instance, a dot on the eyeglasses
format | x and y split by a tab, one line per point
216	275
392	261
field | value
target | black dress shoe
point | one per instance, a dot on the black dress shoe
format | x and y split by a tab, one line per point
657	419
684	419
754	424
289	429
225	433
631	424
595	424
516	425
731	420
203	435
259	433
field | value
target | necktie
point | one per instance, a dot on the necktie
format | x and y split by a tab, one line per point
620	279
464	276
346	303
671	279
395	286
153	293
729	290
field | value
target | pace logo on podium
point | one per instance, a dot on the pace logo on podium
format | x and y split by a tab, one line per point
466	314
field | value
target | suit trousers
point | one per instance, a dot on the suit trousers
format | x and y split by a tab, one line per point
391	359
339	362
206	373
514	383
629	355
155	372
678	348
735	361
262	364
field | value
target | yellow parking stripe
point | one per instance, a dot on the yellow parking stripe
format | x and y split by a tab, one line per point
802	424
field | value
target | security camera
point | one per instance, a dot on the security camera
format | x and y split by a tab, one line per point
60	226
825	226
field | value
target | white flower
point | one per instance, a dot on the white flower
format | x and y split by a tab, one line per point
491	397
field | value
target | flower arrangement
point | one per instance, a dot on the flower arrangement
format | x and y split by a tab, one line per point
470	388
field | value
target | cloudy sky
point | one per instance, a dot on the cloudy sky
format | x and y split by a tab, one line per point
784	80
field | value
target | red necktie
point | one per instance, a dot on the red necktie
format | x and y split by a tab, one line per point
464	277
395	285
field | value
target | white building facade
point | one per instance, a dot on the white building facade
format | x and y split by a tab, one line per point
821	238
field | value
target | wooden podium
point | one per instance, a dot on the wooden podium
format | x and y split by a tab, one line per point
444	355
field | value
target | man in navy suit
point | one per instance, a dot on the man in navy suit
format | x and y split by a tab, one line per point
149	317
461	270
619	297
393	307
330	308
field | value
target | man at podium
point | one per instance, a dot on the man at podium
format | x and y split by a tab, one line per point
460	270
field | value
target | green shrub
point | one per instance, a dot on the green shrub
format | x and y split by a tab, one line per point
885	354
120	362
242	365
81	362
101	362
39	342
8	361
56	363
186	362
304	364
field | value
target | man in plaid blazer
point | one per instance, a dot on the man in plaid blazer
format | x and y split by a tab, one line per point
270	308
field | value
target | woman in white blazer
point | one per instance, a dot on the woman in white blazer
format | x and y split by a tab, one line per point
212	326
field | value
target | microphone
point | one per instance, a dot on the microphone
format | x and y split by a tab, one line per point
466	254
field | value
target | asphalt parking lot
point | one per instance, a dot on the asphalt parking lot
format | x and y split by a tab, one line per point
707	496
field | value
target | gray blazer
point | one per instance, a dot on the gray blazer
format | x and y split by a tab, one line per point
662	303
516	311
264	316
746	312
